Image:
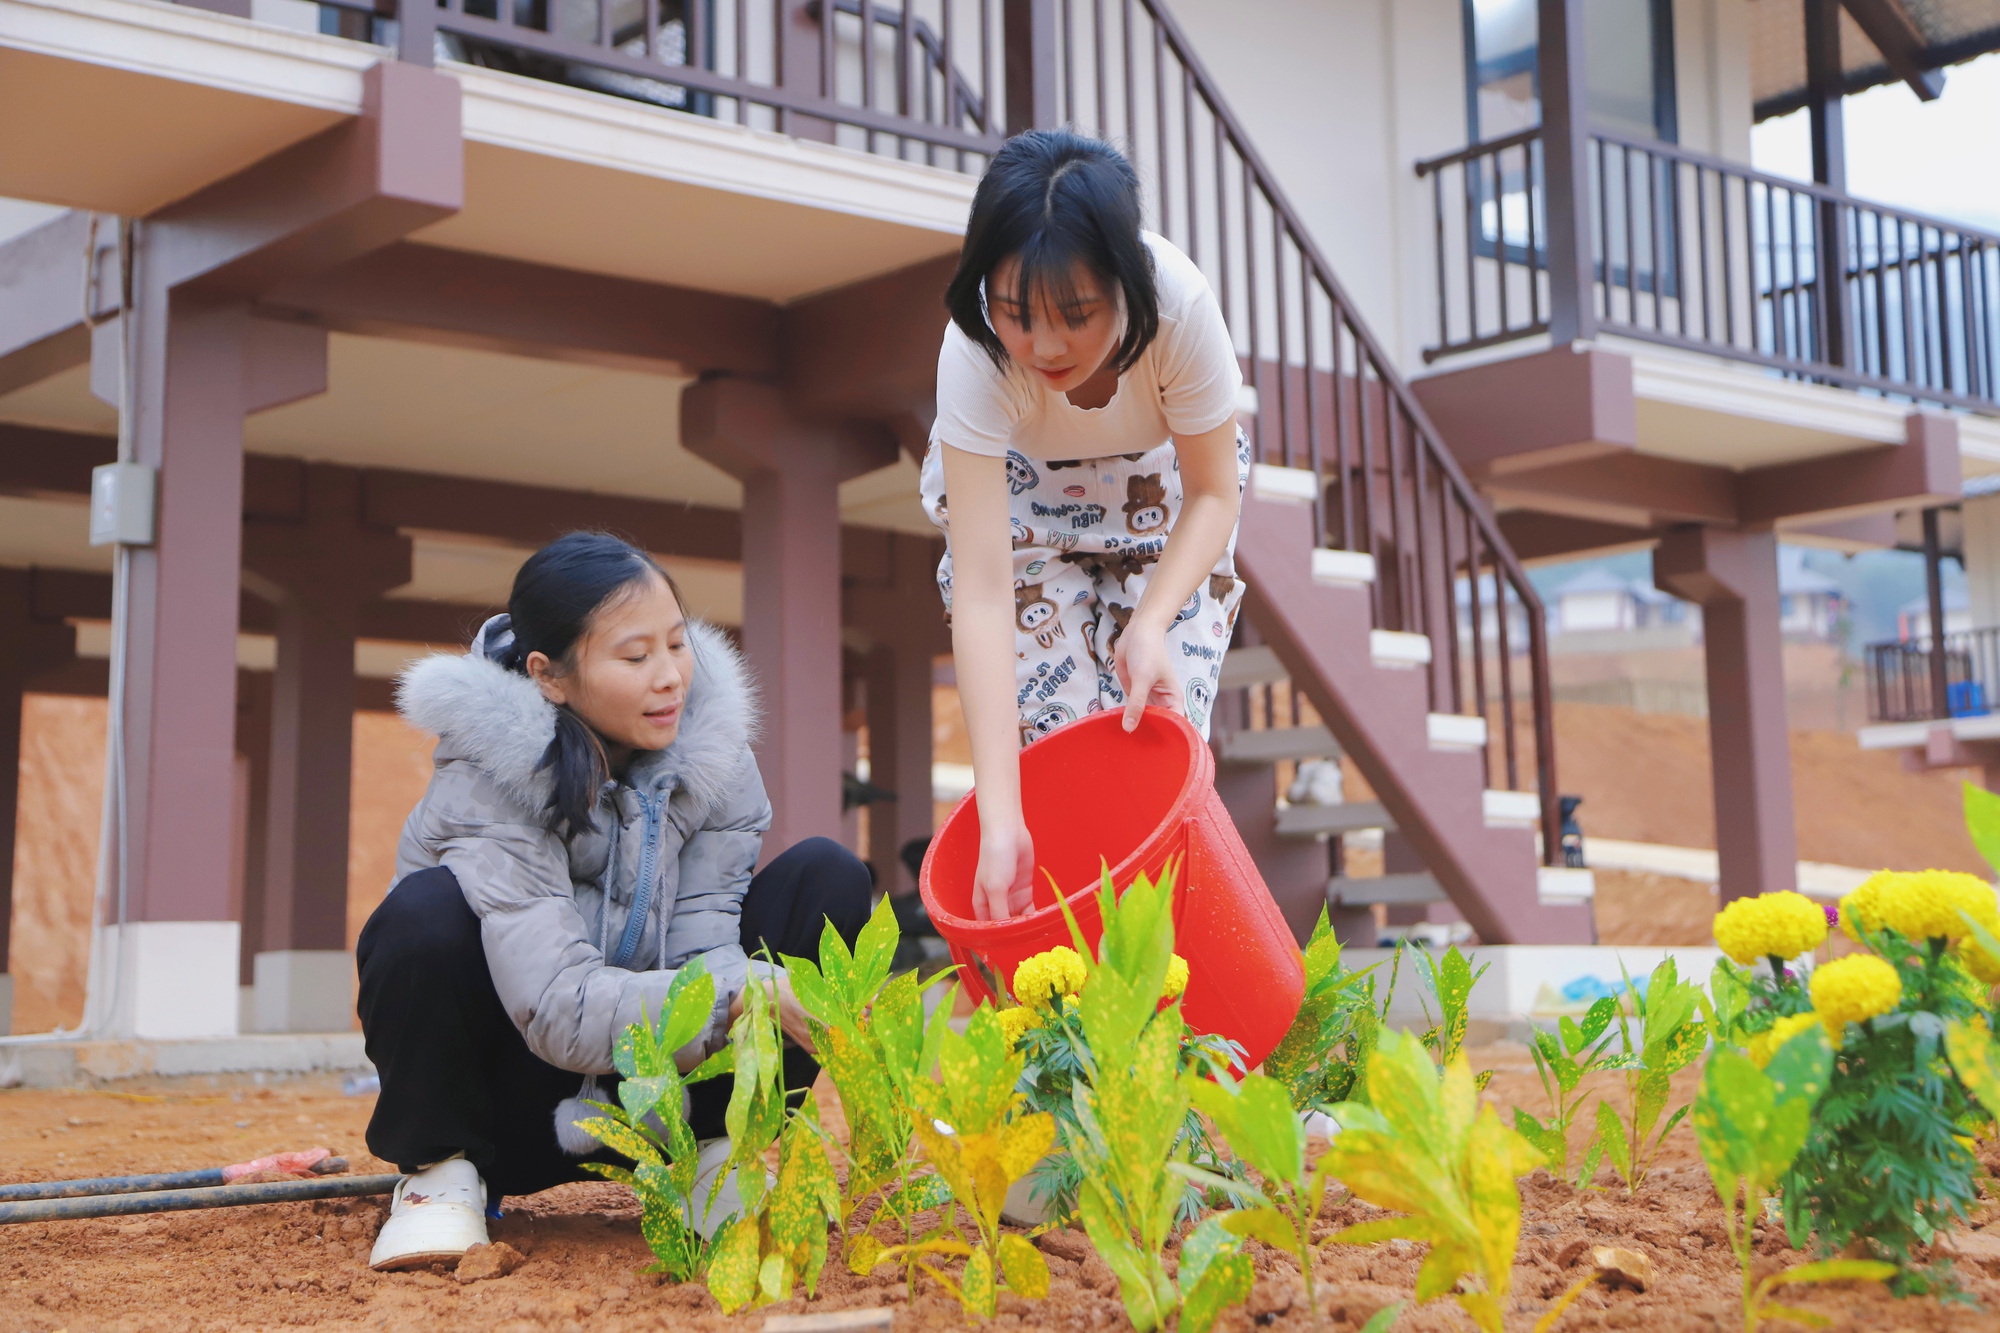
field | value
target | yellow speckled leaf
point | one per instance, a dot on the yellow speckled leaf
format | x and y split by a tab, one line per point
621	1139
976	1287
1027	1272
865	1253
1025	1141
732	1268
774	1278
1977	1061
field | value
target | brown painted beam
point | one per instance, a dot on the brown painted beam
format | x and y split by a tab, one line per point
869	351
1558	406
1551	536
1895	34
1634	490
1919	473
361	185
35	461
43	277
424	293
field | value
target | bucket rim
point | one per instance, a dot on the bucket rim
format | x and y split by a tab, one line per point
1200	770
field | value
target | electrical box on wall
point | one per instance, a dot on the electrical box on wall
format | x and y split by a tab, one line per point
121	504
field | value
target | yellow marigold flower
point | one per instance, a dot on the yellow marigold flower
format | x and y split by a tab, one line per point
1015	1023
1765	1044
1771	925
1921	904
1038	980
1177	978
1851	989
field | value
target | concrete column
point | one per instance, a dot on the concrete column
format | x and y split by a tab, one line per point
1734	578
320	568
28	647
791	472
907	624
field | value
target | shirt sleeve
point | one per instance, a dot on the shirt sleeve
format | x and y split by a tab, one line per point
975	410
1199	374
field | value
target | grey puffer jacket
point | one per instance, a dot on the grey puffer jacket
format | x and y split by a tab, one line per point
571	959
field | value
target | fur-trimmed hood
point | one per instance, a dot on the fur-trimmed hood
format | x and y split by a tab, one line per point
497	720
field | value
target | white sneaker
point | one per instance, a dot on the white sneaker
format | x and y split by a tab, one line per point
710	1157
436	1216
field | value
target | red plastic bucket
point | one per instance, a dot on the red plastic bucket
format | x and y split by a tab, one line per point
1094	794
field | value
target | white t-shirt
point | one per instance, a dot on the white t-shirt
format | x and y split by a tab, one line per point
1185	383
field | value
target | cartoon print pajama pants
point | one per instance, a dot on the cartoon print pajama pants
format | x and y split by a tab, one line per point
1086	536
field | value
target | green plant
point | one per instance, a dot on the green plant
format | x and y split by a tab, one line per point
1450	980
649	1095
779	1237
1671	1030
874	1043
1131	1109
1884	1161
979	1150
1323	1052
1423	1147
1257	1118
1751	1123
1562	1059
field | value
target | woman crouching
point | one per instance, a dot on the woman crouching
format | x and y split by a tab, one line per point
592	825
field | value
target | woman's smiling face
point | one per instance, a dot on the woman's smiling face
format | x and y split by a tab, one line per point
631	670
1061	345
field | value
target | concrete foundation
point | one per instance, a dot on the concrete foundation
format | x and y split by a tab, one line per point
303	990
51	1062
173	978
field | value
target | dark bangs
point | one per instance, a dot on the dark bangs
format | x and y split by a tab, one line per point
1056	199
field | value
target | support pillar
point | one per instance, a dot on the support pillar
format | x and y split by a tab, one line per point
28	647
253	750
320	568
907	624
1733	576
791	472
167	960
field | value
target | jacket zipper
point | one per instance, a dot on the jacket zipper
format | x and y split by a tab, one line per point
642	896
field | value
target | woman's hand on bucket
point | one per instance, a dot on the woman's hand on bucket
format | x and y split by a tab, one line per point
1145	671
1004	884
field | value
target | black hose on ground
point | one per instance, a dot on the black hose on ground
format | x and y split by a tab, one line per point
181	1200
171	1180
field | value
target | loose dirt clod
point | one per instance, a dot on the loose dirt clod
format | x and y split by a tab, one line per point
1617	1267
495	1259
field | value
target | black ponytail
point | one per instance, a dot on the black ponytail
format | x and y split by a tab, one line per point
557	593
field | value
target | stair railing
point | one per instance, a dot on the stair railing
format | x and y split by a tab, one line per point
1328	398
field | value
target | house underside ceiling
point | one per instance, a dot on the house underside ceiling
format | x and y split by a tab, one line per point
1950	31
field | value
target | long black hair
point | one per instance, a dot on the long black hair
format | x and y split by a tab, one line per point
557	593
1056	198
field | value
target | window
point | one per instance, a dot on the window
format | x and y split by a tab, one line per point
1628	66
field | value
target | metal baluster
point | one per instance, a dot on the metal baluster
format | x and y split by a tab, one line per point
1422	589
1343	437
742	58
1604	229
1097	64
1701	253
1728	289
904	74
1250	298
1631	237
1164	183
1131	89
1392	420
1313	458
1367	478
1473	564
652	29
987	84
1905	298
1284	360
1528	178
1437	221
1506	655
867	55
1193	159
1069	63
1468	172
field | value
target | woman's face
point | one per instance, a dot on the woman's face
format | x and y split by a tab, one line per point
633	666
1063	346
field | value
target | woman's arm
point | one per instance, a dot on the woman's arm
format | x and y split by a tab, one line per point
1210	503
982	642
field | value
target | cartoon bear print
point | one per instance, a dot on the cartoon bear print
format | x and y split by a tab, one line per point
1036	615
1220	586
1121	616
1021	475
1189	609
1146	507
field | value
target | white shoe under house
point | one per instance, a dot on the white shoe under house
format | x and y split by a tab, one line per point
436	1216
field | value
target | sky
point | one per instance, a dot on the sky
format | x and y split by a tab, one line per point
1940	157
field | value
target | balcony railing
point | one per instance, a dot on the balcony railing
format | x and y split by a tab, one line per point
1690	251
943	81
1905	683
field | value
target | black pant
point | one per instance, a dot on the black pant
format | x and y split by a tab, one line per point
457	1075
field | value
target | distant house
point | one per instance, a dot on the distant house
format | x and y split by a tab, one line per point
1913	618
1598	602
1809	603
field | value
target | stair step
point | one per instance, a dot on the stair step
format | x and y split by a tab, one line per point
1255	665
1288	485
1397	649
1310	821
1454	732
1277	744
1562	886
1342	569
1412	887
1511	809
